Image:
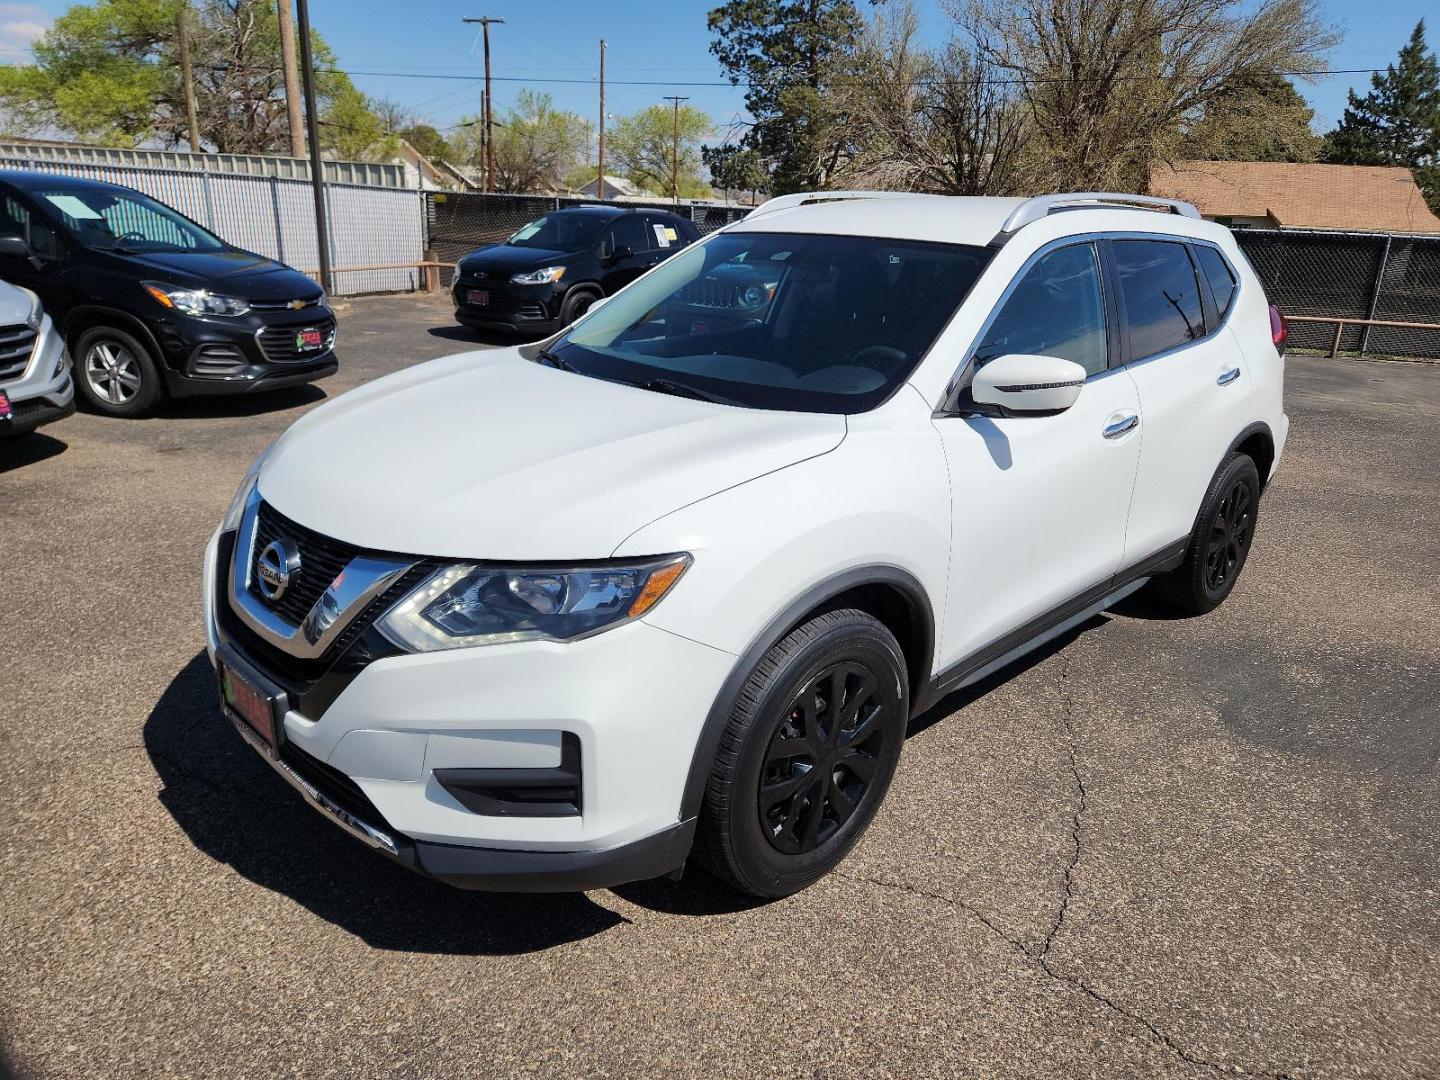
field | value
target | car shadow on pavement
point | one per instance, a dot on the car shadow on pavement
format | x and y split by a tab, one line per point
473	336
22	450
236	810
241	405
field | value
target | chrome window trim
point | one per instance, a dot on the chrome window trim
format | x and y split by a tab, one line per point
365	578
958	380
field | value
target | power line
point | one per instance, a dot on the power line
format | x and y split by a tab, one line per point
1013	81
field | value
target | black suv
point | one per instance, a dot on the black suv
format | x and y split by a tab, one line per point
152	304
547	274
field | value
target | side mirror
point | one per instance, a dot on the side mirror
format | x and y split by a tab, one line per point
621	252
14	245
1024	383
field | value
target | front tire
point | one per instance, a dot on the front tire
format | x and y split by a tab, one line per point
1220	542
115	373
807	756
576	304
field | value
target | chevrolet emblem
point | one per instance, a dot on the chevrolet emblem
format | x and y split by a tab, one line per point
295	305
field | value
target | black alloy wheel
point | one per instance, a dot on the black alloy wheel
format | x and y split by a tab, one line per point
1230	533
821	759
1219	543
807	755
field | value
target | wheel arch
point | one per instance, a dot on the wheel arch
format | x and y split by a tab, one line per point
88	316
592	287
889	593
1257	442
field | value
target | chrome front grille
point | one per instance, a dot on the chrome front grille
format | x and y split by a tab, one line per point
279	345
17	343
320	557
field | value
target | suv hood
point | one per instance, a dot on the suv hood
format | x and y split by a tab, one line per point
489	456
508	259
233	273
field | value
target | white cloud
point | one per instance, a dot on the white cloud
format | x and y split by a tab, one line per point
22	31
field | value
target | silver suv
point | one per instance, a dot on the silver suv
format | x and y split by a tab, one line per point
35	383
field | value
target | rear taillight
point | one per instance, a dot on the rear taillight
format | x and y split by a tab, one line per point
1279	328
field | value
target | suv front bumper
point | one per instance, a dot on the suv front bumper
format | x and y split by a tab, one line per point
376	761
45	391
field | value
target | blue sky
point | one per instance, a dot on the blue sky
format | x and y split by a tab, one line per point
661	41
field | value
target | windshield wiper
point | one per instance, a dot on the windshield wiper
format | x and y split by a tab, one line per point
667	386
549	359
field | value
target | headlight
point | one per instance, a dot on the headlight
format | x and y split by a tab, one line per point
37	312
231	521
466	604
197	301
547	276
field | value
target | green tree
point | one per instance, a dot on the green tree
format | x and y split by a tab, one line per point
782	52
1255	118
108	72
428	141
642	148
1398	121
537	147
734	167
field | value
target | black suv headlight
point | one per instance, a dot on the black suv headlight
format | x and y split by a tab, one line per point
197	301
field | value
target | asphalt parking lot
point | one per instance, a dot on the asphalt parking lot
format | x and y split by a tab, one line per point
1162	847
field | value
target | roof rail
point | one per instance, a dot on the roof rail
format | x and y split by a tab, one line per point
801	198
1044	205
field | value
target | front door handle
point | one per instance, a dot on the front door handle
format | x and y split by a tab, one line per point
1226	377
1118	427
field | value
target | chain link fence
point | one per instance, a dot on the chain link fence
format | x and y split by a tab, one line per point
1352	275
459	222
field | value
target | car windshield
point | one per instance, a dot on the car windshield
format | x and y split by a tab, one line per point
125	221
778	321
561	232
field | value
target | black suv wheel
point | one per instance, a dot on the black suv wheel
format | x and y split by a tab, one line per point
1220	542
807	757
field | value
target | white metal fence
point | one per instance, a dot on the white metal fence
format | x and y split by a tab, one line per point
274	216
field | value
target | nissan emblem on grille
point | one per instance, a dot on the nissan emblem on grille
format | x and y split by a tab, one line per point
275	566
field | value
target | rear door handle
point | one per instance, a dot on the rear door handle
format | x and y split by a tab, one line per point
1118	427
1226	377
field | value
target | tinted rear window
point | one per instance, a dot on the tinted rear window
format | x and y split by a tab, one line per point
1161	295
1217	273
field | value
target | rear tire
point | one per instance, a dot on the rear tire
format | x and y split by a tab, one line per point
115	373
807	756
1220	542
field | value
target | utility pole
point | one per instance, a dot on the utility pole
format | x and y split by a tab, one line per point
292	77
312	127
675	153
187	76
600	184
488	109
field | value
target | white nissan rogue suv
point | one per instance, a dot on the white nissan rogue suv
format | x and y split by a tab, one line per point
674	581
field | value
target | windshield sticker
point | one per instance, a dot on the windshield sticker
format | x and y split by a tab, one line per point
73	207
663	236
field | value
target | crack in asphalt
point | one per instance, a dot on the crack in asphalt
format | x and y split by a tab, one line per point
1067	720
1041	957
